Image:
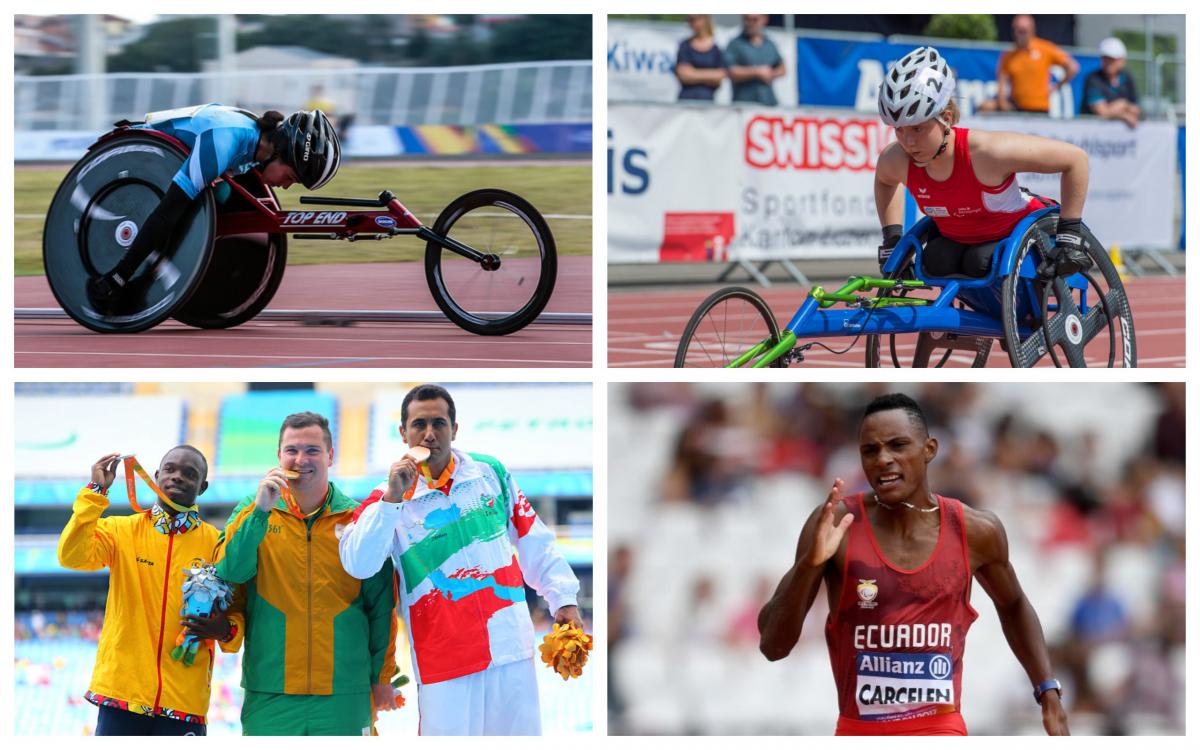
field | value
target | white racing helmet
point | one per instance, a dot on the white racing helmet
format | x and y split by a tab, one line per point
916	88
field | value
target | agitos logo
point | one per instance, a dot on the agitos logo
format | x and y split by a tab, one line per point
812	143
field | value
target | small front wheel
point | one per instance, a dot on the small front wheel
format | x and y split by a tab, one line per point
725	327
506	288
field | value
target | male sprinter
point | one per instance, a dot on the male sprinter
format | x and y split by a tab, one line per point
319	642
897	565
455	523
139	688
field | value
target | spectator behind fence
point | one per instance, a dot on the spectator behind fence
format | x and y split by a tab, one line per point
317	99
1109	91
1023	73
699	65
753	63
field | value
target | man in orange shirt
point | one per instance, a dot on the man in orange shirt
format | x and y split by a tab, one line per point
1023	74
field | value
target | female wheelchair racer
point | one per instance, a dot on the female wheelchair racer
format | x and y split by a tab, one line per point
176	217
965	180
984	246
303	148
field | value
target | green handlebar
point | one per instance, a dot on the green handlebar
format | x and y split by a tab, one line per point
855	284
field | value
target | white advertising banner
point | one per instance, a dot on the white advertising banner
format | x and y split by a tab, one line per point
641	61
716	184
70	145
536	426
52	145
701	183
59	436
1132	175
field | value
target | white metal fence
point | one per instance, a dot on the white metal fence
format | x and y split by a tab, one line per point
538	92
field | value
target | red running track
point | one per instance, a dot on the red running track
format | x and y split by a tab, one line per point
644	326
356	286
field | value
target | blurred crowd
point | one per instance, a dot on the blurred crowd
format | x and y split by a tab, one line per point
1025	73
54	655
37	625
1087	479
55	652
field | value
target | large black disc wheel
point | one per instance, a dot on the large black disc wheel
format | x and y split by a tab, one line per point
93	220
1080	320
244	275
245	271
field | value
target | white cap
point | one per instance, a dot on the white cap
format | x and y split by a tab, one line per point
1112	47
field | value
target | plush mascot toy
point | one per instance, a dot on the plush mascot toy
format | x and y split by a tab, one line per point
203	595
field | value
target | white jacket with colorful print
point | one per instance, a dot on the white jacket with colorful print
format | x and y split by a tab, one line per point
462	553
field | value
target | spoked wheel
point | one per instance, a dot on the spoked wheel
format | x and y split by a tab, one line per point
1080	320
925	352
724	327
511	279
93	220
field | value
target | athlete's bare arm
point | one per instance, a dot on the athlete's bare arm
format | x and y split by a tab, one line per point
781	619
995	156
890	171
989	562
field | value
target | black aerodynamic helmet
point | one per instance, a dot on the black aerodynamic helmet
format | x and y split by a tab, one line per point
310	146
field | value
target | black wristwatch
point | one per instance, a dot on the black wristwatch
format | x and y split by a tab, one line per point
1045	687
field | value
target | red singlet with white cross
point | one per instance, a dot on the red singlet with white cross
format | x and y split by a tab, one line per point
964	209
896	637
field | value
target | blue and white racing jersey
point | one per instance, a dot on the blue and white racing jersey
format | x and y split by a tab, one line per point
218	138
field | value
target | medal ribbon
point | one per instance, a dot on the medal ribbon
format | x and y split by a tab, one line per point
133	467
430	482
294	507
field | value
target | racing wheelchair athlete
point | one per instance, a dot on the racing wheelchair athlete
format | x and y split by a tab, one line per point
1007	264
177	217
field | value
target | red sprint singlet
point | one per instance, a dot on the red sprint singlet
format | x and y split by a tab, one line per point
896	638
964	209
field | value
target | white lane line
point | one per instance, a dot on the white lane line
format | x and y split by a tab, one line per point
425	360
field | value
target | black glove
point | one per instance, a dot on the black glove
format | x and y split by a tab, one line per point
110	297
1072	248
104	294
891	237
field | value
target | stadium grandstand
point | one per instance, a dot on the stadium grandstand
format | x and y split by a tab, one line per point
1088	480
542	432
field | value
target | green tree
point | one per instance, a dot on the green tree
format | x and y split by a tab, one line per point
543	37
419	45
327	34
979	26
177	45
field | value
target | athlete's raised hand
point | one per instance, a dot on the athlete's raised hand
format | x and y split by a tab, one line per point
1054	716
781	618
828	534
104	471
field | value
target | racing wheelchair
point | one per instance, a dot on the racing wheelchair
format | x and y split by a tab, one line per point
490	258
1021	302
